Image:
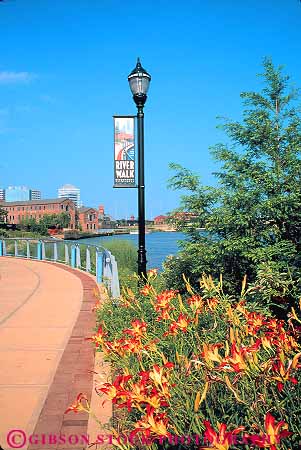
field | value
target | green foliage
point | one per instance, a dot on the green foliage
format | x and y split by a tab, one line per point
3	214
61	220
253	215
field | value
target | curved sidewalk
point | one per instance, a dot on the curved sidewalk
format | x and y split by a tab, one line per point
45	316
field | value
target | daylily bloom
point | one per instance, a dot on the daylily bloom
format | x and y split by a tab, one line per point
152	273
78	406
284	374
98	338
196	303
274	433
180	324
212	303
237	361
138	330
153	424
222	439
210	353
146	290
163	299
255	322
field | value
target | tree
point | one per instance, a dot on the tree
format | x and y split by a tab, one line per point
3	214
253	216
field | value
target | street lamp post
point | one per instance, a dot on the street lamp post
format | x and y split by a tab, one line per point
139	81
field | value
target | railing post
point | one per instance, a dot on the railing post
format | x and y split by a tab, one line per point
27	249
66	254
55	251
99	266
16	248
115	278
1	248
73	256
39	250
4	248
78	261
88	260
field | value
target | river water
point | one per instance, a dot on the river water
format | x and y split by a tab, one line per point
158	245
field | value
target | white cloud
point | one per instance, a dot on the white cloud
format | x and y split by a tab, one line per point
16	77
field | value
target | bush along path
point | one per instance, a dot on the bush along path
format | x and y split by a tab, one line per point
201	370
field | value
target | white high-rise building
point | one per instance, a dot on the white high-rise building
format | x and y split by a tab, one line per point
72	192
2	194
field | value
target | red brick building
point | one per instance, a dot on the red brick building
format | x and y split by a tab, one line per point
88	219
36	209
159	220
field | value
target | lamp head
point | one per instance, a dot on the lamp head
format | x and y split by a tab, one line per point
139	81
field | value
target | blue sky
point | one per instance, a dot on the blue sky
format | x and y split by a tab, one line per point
63	74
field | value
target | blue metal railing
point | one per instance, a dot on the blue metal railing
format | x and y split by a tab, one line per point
90	258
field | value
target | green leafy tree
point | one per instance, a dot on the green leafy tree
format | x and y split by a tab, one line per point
253	216
3	214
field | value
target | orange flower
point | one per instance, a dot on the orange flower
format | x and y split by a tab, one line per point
255	322
196	303
152	273
153	424
210	353
223	439
146	290
116	391
163	299
237	361
212	303
122	346
98	338
139	328
284	374
274	433
180	324
78	406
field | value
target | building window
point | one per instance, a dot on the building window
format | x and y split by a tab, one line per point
62	206
87	226
94	226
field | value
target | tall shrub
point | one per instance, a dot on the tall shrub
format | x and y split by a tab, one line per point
253	216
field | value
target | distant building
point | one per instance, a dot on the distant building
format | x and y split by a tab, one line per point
17	193
160	220
20	193
35	194
88	219
72	192
2	195
35	209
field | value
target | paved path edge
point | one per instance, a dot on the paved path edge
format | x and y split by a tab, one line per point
74	375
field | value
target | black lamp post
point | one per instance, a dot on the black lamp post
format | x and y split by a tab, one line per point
139	81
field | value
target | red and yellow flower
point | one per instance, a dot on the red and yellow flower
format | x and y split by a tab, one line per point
181	323
274	433
78	405
138	328
153	424
222	439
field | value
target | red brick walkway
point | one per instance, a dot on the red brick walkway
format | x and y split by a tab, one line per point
73	376
45	316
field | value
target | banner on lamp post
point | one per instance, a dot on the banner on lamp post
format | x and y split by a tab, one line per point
124	152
